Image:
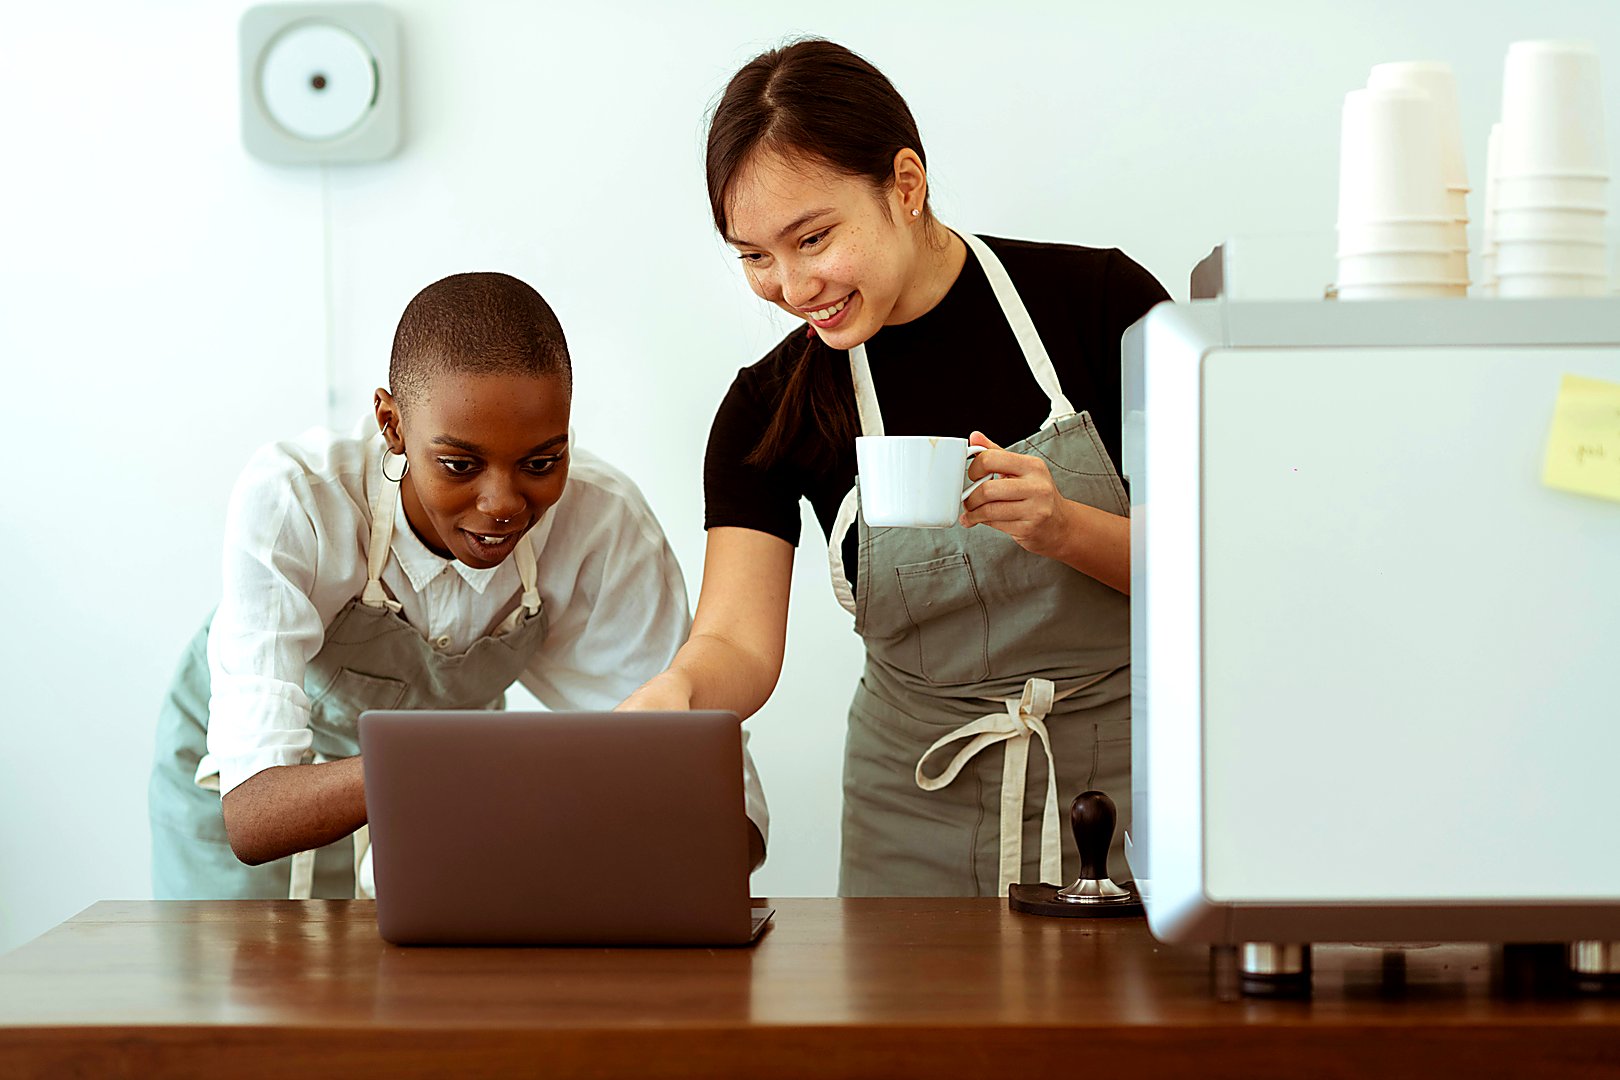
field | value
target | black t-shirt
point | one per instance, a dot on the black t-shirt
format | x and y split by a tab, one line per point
951	371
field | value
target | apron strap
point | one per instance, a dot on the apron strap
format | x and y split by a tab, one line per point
866	402
528	573
1013	310
529	605
365	887
1023	328
301	884
847	512
1023	716
382	535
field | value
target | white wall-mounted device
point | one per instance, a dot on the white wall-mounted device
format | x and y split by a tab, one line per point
320	82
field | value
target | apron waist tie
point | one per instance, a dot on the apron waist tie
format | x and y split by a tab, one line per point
1024	716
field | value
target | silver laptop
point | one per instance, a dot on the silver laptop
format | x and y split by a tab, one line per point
509	828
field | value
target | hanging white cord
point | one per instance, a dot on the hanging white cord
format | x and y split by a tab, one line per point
328	304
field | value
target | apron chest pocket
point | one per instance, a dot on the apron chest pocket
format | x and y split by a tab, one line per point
948	615
352	692
335	714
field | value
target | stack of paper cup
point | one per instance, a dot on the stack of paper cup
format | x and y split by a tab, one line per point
1395	231
1487	257
1552	192
1434	77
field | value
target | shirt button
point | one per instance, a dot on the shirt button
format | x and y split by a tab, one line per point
442	641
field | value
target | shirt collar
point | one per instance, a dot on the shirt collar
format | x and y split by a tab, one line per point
422	565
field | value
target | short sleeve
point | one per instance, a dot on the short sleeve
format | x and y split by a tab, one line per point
737	492
1130	292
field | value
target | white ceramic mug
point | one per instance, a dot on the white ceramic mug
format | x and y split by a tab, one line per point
913	481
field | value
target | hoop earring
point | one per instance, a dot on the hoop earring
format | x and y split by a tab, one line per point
402	472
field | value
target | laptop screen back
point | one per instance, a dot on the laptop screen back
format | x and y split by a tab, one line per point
557	828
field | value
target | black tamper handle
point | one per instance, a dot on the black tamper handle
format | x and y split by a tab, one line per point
1092	817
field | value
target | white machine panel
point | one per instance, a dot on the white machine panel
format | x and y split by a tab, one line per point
1376	661
1410	660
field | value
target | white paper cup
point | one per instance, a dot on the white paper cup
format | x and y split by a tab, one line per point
1521	257
1396	266
1409	235
1457	265
1493	183
1536	192
1389	158
1548	286
913	481
1458	242
1392	250
1434	78
1399	291
1552	110
1563	226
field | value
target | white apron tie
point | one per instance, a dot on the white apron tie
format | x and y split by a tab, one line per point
1023	716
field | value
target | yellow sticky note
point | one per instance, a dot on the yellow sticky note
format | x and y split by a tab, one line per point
1583	448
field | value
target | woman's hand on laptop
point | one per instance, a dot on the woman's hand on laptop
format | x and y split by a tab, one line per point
668	691
671	691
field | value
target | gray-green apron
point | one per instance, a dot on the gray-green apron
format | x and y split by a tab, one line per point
371	658
971	639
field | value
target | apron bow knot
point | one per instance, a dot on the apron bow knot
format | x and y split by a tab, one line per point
1031	707
1023	717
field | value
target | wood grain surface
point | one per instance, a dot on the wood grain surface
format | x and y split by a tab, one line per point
878	988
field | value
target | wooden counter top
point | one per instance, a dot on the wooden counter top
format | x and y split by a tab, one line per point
926	988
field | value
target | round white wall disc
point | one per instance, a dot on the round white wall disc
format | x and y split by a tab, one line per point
317	80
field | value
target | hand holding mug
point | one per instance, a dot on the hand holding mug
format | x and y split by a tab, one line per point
913	481
1016	494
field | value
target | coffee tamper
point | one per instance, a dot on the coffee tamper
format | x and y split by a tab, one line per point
1094	895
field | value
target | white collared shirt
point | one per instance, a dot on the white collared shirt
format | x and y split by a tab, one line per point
296	535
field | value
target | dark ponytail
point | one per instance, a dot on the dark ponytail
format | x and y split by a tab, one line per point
817	101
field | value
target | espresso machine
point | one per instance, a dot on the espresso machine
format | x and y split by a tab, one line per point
1376	626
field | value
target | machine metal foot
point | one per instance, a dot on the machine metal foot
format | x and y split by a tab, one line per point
1594	966
1275	970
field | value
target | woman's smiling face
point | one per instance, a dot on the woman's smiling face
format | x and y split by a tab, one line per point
822	245
488	456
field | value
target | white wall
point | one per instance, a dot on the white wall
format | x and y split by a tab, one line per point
161	294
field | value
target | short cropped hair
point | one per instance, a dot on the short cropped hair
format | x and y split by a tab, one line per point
475	324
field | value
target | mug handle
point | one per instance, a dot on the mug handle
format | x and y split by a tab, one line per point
972	452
